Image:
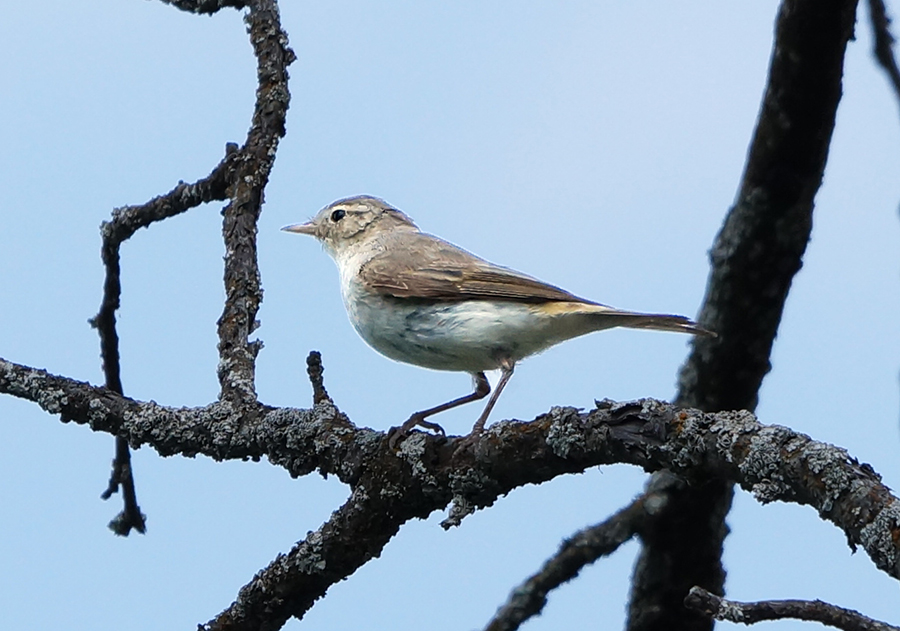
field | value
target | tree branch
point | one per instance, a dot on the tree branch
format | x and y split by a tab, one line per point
124	223
773	463
207	6
812	610
583	548
884	43
242	175
243	294
753	261
356	533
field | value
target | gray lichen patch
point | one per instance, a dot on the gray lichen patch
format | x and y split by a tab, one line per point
829	465
413	450
880	537
460	508
309	557
731	429
763	463
563	437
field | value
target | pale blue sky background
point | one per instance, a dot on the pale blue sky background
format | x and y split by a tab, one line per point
596	145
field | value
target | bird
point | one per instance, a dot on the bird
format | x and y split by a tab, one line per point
418	299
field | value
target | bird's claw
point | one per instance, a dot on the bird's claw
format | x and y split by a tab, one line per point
399	434
464	443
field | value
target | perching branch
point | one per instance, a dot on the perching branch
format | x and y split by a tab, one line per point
811	610
774	463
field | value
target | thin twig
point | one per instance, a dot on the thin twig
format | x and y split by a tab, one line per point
811	610
124	223
314	369
242	176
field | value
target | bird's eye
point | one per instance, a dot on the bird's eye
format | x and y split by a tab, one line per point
338	215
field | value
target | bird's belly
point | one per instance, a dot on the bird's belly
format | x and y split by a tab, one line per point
466	336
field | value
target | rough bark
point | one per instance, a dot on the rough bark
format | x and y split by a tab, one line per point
241	178
809	610
429	473
754	260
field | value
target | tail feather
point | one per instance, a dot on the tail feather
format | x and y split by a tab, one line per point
656	322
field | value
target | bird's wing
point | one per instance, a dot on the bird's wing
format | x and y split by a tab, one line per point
425	267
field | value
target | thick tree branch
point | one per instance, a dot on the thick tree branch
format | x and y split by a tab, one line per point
773	463
583	548
761	244
754	259
812	610
355	534
301	441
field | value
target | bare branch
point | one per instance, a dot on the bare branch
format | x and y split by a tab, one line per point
207	6
314	369
243	294
754	259
812	610
130	517
583	548
125	222
242	175
884	43
355	534
762	242
773	463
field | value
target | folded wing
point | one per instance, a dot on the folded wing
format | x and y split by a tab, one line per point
432	269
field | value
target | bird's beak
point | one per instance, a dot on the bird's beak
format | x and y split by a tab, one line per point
302	228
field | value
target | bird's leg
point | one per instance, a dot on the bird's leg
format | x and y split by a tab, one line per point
482	389
506	371
507	366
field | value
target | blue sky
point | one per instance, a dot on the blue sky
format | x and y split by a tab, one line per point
596	146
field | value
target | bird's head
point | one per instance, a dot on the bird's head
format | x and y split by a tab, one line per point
352	220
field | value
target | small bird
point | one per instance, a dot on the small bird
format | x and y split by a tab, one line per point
421	300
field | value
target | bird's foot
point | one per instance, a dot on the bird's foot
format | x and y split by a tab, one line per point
464	443
397	435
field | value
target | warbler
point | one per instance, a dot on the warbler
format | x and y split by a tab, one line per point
421	300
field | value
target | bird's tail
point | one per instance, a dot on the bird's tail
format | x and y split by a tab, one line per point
652	321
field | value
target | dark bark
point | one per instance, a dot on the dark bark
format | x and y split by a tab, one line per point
207	6
124	223
243	292
884	43
583	548
241	177
810	610
428	473
754	260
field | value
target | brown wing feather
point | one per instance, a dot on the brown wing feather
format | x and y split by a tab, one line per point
429	268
